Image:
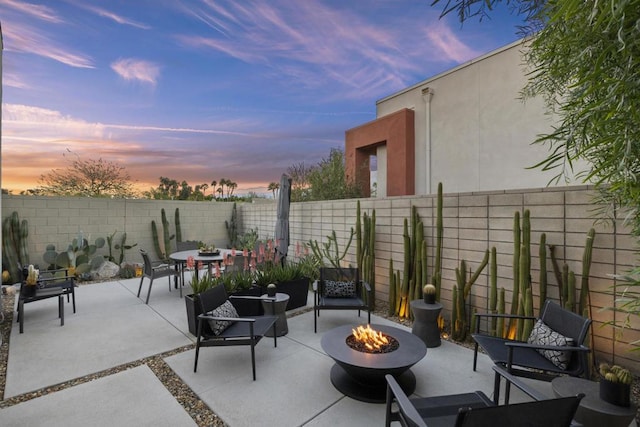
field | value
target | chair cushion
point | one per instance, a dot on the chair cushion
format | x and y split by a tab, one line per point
224	310
337	289
541	334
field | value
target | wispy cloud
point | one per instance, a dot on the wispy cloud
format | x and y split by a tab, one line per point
137	69
448	44
316	44
26	39
41	12
38	137
113	16
14	80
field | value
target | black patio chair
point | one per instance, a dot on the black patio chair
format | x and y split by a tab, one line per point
340	289
476	410
155	272
219	325
59	278
187	245
557	349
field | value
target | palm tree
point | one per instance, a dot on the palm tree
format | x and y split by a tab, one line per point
273	187
231	185
213	188
222	183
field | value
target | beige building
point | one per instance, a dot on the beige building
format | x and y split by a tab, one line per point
467	127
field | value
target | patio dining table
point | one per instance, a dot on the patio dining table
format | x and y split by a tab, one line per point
180	259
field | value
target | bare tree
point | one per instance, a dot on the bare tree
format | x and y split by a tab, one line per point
88	178
299	174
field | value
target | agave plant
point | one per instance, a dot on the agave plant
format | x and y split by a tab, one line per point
201	284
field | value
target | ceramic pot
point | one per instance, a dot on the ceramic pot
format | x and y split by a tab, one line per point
429	298
615	393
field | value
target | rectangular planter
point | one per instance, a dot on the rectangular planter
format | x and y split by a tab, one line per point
298	290
248	307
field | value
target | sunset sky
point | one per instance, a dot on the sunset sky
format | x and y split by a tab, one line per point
199	90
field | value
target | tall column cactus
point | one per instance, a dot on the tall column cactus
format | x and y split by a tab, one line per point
415	272
162	251
542	255
567	281
365	249
392	289
520	302
462	290
493	291
586	267
437	267
14	245
516	271
178	226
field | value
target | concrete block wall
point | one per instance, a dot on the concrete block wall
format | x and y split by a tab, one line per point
473	223
58	220
476	222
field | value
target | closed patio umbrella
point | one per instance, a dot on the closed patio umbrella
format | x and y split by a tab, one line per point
282	218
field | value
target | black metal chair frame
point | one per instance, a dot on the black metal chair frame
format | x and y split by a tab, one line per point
476	409
523	359
361	301
187	245
59	278
242	331
155	272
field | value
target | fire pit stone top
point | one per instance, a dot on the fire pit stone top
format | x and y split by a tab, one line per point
410	348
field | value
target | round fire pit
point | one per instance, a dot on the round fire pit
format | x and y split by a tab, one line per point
360	375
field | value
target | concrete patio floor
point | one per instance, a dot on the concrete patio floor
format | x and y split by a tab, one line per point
113	327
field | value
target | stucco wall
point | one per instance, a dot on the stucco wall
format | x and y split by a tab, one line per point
473	223
480	132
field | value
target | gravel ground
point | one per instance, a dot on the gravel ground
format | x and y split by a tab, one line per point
198	410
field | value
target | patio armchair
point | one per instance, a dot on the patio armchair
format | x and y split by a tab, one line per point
476	409
155	272
220	325
340	289
555	346
59	278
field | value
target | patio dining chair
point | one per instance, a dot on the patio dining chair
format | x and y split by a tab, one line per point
476	410
340	289
187	245
155	272
220	325
555	346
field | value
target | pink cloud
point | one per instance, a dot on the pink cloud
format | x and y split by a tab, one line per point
448	44
137	69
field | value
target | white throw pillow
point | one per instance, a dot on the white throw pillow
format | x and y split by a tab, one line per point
541	334
224	310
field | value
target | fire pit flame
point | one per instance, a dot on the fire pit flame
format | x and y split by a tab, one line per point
367	340
372	339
